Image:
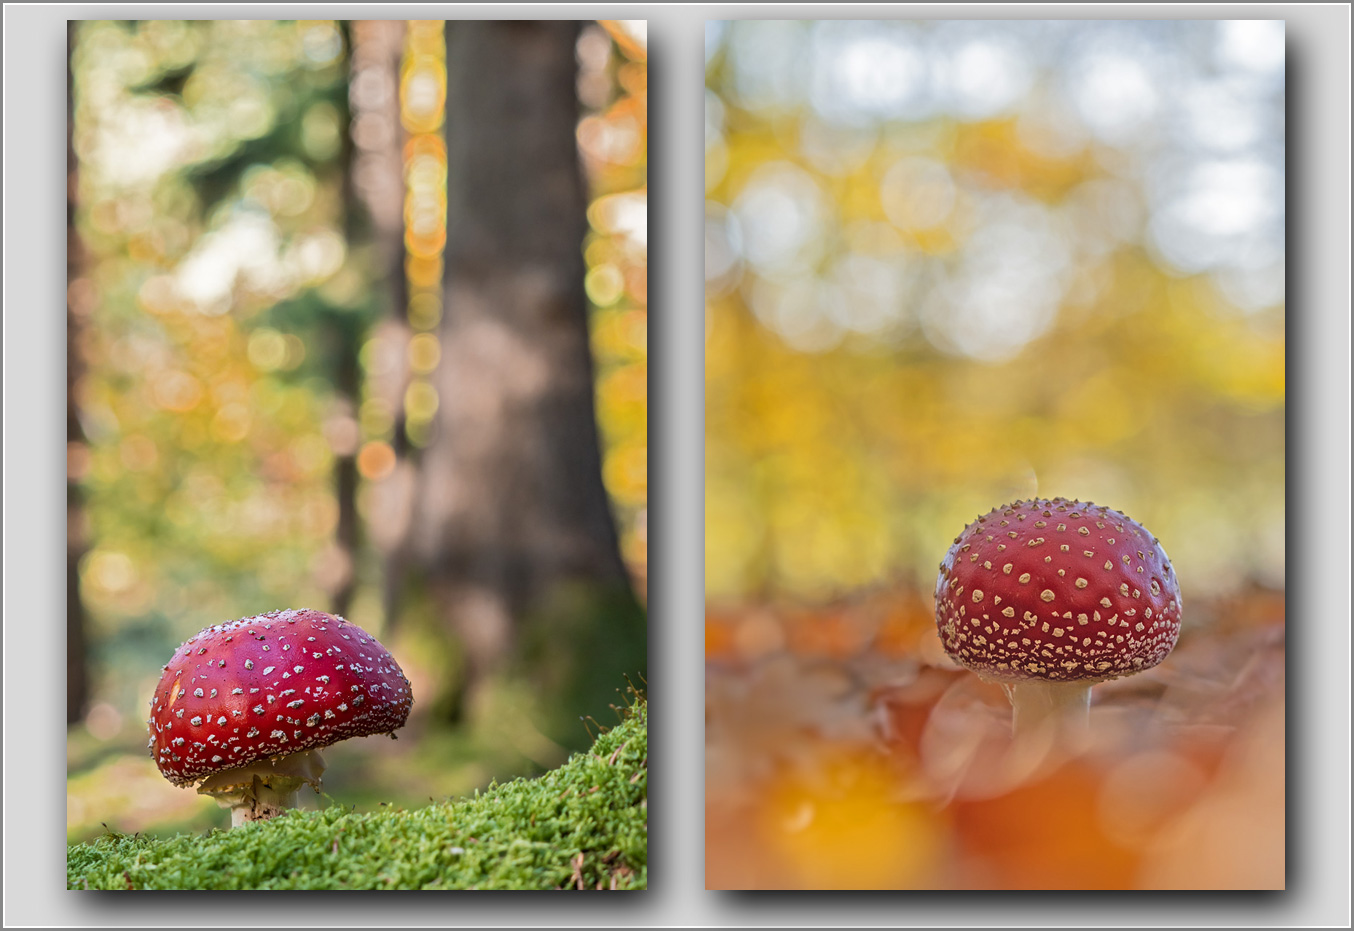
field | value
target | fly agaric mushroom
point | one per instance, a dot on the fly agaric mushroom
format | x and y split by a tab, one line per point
1048	597
243	707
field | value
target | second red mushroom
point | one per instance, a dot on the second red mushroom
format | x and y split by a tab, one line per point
1048	597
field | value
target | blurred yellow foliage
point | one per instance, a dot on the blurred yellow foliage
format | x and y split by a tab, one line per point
911	320
613	140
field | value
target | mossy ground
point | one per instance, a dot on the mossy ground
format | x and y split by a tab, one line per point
581	826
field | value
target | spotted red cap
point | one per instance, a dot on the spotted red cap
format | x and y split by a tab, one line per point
1057	589
267	686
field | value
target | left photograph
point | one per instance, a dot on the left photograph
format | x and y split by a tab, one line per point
357	447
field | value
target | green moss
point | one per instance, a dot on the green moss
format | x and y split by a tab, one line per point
583	823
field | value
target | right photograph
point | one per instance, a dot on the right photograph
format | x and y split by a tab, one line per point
995	455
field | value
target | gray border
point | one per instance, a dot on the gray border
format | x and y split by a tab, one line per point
1319	235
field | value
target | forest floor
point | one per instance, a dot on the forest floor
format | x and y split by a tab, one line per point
583	825
845	750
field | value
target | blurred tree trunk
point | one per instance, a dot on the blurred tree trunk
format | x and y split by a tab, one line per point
377	179
342	579
370	164
77	660
514	524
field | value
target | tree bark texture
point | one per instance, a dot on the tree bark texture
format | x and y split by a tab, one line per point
514	523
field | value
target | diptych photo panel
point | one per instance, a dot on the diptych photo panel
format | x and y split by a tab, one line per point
357	450
991	381
994	489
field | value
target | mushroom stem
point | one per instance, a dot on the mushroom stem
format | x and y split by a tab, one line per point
1060	709
262	800
265	789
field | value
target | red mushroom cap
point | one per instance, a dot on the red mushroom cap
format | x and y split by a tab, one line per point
1057	589
268	686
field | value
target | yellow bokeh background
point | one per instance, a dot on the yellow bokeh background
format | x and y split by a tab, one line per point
949	265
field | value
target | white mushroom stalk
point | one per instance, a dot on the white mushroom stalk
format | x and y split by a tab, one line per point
266	788
1062	707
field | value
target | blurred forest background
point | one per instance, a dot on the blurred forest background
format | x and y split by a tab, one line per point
948	265
357	321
